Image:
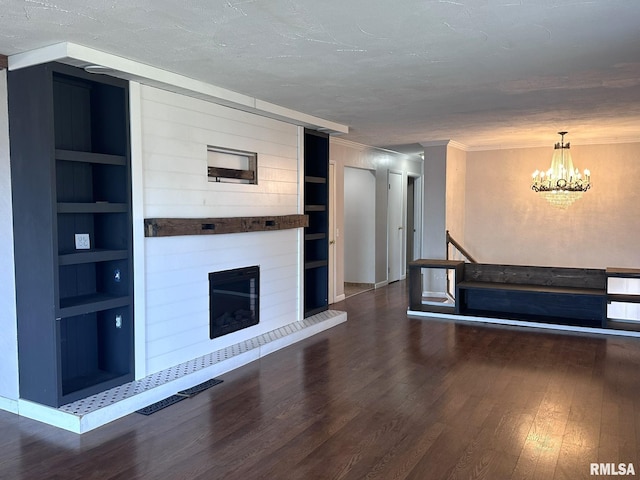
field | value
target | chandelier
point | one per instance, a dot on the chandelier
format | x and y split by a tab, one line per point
562	184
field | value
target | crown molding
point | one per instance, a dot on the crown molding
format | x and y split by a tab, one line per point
362	147
445	143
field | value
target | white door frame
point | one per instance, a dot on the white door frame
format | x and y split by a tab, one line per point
417	214
392	230
332	234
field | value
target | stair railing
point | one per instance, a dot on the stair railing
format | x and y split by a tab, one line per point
455	251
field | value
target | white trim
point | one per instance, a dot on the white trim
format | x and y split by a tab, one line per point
301	174
384	283
81	56
8	405
137	211
333	257
403	221
445	143
523	323
49	415
362	147
340	298
86	420
8	318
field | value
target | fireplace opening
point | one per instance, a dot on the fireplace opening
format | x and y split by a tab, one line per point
233	300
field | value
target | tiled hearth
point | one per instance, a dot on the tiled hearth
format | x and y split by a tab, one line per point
96	410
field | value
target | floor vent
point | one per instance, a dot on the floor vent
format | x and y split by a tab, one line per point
154	407
188	393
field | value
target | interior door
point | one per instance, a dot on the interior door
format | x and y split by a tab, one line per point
414	222
395	222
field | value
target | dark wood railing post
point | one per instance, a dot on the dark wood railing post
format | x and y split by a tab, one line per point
460	248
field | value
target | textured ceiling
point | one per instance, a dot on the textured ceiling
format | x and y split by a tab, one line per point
485	73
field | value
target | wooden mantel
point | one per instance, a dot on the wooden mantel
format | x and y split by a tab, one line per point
169	227
4	62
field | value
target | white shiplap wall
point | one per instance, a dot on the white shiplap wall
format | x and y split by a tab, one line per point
175	133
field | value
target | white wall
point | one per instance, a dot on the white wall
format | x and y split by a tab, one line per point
175	133
8	326
506	222
434	201
359	225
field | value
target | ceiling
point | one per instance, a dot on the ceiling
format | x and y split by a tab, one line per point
484	73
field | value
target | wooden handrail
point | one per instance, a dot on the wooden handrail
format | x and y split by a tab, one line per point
460	248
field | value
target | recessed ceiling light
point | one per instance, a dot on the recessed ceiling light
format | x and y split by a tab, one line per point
98	69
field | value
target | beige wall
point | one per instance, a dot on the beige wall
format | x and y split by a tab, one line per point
456	183
506	222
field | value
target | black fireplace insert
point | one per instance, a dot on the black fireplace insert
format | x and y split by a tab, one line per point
234	297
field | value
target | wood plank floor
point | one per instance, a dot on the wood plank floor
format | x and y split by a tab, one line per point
379	397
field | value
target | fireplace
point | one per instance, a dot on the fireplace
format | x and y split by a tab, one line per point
233	300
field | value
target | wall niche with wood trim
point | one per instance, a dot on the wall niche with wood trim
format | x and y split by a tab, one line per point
228	165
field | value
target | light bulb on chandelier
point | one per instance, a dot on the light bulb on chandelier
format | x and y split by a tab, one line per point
562	184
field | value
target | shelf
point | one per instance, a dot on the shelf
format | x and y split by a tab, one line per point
315	236
232	173
315	310
315	208
529	288
70	307
97	207
623	272
619	324
433	263
90	256
315	264
623	298
90	157
80	384
310	179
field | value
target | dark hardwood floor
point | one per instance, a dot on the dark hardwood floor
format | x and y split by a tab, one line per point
379	397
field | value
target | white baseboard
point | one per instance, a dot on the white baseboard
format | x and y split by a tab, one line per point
8	405
523	323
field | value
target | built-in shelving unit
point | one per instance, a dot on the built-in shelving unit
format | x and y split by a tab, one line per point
71	187
623	298
316	206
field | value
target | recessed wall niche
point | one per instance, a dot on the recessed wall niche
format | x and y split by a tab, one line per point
227	165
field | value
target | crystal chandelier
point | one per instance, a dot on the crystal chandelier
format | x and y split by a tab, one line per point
562	184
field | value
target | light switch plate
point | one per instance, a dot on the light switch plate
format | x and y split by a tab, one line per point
82	241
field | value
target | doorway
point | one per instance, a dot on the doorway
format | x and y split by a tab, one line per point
395	234
359	230
414	222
